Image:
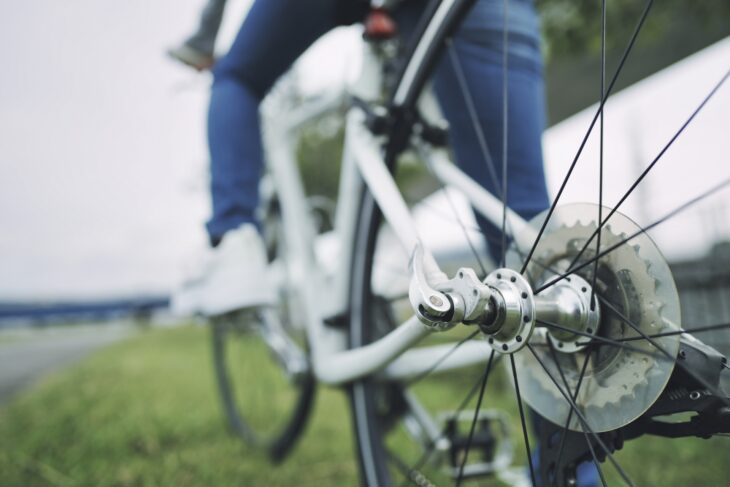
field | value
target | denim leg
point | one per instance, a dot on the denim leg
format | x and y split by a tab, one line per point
236	156
274	34
478	47
203	39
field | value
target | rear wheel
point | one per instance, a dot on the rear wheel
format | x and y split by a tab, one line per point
637	373
590	390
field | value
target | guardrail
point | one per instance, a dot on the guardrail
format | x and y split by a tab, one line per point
15	313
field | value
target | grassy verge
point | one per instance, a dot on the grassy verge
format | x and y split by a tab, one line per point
146	412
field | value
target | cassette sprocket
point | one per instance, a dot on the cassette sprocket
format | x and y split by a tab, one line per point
638	298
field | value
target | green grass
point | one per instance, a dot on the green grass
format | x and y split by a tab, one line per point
7	338
145	412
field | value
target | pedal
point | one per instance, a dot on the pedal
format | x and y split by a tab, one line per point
491	449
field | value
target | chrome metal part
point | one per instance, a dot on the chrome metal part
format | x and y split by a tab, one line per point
440	306
512	326
475	299
433	308
569	304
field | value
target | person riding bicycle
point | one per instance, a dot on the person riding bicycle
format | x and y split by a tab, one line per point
273	35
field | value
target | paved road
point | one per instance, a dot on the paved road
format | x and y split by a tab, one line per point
26	356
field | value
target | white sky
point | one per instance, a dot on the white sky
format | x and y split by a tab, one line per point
102	144
103	159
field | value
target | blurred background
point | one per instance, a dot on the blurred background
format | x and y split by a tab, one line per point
103	198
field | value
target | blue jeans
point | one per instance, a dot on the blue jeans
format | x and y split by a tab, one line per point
276	32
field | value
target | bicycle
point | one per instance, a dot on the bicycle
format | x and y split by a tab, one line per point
583	307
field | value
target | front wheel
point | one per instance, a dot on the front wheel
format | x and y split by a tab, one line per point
266	406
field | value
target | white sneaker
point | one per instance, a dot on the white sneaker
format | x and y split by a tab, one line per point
234	277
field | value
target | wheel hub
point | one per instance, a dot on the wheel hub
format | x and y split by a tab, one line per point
514	319
568	308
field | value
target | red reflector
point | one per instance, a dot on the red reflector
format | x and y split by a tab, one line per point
379	25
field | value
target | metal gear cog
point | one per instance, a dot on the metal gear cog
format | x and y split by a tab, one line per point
635	286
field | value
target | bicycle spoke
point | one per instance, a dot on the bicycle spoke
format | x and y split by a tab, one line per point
473	228
650	167
588	133
522	418
481	139
460	222
474	422
466	233
610	249
436	212
505	126
595	458
599	338
443	358
700	329
600	156
575	396
561	449
653	342
471	110
582	418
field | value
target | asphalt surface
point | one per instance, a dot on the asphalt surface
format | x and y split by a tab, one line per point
27	355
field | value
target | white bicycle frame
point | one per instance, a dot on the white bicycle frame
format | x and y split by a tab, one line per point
324	293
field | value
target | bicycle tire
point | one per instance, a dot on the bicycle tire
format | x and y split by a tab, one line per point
371	454
279	442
